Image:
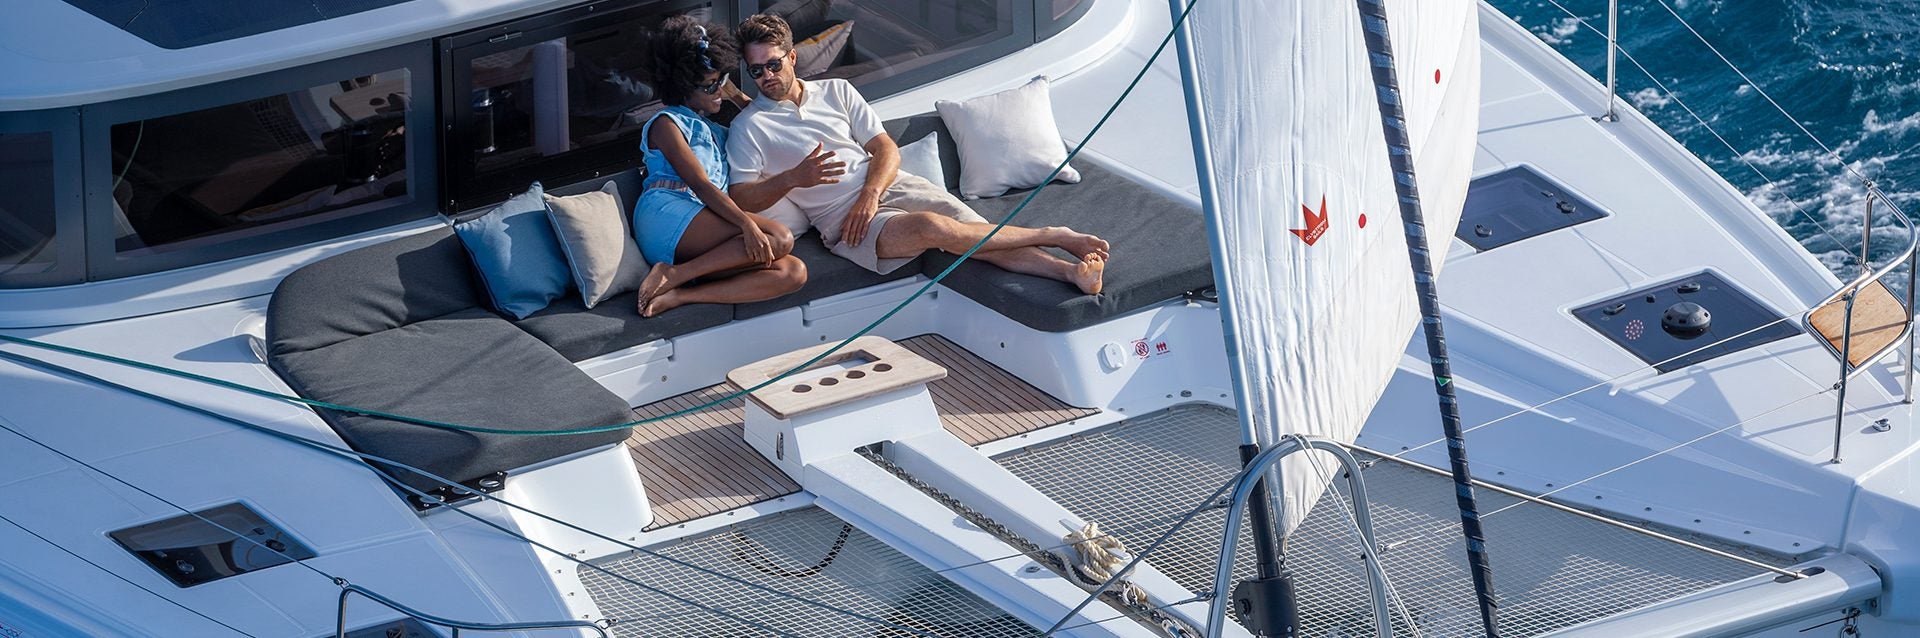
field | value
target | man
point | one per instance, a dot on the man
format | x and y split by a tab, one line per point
845	176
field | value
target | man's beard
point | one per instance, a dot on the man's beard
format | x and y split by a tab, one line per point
779	91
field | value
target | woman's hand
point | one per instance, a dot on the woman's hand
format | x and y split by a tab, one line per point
759	245
818	168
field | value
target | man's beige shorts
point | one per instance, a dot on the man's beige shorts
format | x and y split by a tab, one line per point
909	193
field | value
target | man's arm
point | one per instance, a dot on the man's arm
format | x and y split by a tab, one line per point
818	168
882	165
883	161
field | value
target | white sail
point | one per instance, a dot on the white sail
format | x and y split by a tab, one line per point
1315	257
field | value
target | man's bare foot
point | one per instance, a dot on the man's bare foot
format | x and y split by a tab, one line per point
654	284
1088	275
1079	244
661	303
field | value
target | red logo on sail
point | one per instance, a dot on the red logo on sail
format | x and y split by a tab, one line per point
1316	223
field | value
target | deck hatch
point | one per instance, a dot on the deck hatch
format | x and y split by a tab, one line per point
189	550
1634	321
1516	204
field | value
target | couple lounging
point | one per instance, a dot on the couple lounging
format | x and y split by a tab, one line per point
816	144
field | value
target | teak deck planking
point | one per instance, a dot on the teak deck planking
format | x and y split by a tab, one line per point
698	464
1877	319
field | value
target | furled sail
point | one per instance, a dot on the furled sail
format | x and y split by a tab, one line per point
1314	262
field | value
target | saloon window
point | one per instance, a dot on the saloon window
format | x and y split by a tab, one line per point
259	164
553	98
887	46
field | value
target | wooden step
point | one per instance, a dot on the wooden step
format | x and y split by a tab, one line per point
699	464
1877	319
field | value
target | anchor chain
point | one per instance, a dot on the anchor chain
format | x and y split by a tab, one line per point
1138	606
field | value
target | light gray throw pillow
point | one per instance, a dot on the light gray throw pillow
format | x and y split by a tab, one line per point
1007	140
922	158
596	238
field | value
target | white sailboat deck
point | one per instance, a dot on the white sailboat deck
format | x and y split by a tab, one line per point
1515	342
1763	483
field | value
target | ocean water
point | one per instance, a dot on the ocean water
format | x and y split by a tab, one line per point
1844	69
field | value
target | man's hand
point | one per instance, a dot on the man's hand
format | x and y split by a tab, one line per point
818	168
732	93
859	218
759	246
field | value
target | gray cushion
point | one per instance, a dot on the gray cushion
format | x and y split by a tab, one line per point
615	324
372	289
827	275
1159	251
470	367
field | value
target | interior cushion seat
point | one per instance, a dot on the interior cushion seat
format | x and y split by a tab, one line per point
402	327
1158	245
579	333
469	368
827	275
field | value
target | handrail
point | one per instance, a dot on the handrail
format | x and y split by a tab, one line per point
347	590
1253	474
1613	51
1850	292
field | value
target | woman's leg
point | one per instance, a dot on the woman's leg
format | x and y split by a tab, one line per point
711	245
786	275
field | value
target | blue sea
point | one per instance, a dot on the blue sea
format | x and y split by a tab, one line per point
1840	67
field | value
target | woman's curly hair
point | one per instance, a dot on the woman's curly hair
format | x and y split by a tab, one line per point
679	62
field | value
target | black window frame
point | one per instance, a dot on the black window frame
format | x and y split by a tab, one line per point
462	189
103	258
69	221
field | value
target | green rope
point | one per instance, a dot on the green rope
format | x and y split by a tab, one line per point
246	389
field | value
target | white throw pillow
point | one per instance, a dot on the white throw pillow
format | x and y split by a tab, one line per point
1007	140
596	239
922	158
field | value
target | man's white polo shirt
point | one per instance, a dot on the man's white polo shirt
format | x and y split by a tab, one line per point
772	136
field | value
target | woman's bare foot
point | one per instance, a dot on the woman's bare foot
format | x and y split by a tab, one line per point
1088	275
661	303
654	284
1077	243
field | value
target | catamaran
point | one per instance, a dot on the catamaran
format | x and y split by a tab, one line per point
1410	329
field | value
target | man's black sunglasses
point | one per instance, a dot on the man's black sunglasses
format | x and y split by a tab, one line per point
774	65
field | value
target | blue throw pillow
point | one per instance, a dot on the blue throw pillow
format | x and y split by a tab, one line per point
517	254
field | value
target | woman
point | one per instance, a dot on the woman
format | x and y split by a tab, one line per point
687	226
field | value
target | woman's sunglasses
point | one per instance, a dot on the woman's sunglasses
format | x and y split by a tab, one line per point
771	66
713	87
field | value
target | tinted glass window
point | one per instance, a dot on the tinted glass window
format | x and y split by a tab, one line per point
261	165
876	39
552	97
26	203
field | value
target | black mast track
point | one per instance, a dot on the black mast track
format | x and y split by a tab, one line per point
1373	24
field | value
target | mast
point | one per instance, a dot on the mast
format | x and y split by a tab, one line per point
1373	22
1274	597
1266	542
